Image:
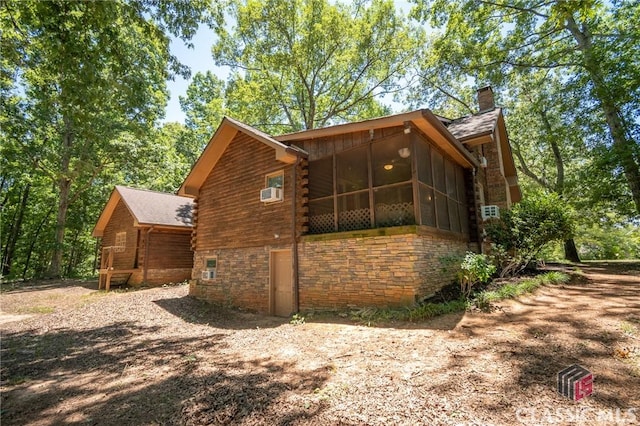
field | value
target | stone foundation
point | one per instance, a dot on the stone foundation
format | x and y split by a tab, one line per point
242	277
383	271
379	267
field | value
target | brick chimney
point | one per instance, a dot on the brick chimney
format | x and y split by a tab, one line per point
485	99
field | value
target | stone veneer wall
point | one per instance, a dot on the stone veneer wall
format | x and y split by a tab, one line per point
379	267
242	277
384	270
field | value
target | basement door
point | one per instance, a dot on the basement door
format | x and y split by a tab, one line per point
281	283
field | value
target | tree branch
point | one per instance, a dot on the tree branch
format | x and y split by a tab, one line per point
525	169
520	9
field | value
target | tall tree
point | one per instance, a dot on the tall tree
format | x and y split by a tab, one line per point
300	64
548	144
90	73
589	42
204	107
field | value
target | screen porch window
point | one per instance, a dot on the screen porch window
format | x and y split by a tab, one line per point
441	188
373	185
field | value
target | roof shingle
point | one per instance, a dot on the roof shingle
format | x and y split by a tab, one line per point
157	208
474	125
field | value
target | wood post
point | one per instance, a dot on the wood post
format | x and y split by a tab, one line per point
106	267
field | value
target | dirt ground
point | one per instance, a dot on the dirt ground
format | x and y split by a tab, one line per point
73	355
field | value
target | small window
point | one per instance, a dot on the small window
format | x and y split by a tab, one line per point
275	180
121	242
211	266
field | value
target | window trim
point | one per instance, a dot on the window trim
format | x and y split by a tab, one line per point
272	175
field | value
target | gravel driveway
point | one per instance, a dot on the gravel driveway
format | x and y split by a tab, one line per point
73	355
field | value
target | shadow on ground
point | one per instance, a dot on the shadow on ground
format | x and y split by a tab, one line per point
126	374
39	285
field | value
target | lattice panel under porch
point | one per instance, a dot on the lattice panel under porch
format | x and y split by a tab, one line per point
321	224
394	214
352	220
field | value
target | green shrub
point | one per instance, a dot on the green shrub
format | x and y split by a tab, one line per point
475	268
521	232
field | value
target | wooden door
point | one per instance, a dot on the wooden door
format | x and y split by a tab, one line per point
281	283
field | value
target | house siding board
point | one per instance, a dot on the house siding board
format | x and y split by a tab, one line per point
121	221
326	146
229	211
169	250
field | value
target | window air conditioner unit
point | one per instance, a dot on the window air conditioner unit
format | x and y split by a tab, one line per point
490	212
208	275
269	195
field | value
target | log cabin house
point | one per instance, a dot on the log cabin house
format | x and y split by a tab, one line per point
351	215
145	238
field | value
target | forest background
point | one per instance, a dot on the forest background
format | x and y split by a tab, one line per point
84	92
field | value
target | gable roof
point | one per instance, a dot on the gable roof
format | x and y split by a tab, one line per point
474	126
425	120
225	133
453	136
148	208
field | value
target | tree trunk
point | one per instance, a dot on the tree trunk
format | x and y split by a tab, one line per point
63	206
15	232
34	239
64	186
570	251
623	144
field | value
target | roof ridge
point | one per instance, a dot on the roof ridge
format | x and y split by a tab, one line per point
475	114
150	190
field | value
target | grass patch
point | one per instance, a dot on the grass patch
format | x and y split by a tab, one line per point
629	328
415	313
37	310
481	300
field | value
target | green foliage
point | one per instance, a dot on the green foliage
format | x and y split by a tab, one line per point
522	231
474	269
82	86
204	108
302	64
573	69
484	299
609	239
297	319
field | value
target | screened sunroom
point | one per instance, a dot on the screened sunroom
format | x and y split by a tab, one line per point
401	178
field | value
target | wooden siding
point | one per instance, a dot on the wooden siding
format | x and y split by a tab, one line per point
323	147
229	213
122	221
169	250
